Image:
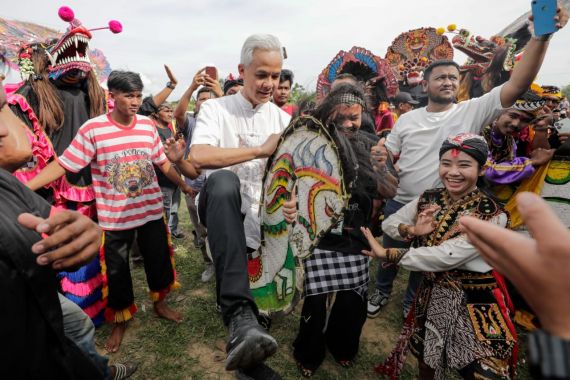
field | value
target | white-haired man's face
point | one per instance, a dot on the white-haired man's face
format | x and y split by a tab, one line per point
261	76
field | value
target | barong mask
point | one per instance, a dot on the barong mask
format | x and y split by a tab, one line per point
70	51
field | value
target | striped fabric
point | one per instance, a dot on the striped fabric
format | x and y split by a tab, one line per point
126	190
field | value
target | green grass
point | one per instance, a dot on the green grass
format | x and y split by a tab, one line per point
194	349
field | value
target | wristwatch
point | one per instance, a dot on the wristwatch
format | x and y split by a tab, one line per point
170	85
549	356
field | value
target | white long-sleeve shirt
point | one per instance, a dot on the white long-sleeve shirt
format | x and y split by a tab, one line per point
456	253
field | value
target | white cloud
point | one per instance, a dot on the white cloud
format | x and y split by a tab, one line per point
188	35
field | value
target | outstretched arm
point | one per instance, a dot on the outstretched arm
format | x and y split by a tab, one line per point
49	174
161	97
210	157
526	70
182	106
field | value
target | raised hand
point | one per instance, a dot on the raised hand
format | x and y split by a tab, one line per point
425	222
214	85
73	239
174	149
376	250
171	76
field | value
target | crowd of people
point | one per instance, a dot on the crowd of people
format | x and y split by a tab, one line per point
441	190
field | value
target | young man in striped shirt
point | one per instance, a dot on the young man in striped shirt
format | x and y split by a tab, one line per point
121	148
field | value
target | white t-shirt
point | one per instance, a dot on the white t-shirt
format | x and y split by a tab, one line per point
232	122
418	135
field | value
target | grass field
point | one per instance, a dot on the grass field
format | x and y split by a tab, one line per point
194	349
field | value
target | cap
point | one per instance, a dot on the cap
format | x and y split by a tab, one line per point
405	97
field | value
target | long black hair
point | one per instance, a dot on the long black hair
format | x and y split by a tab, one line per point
354	148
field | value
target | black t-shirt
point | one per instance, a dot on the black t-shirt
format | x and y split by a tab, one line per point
163	181
31	319
346	235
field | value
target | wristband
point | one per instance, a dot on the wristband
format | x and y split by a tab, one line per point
170	85
404	231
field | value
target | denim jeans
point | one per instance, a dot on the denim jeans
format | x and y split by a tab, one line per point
80	330
387	273
171	200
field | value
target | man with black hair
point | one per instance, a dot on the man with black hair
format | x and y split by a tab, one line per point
416	133
404	102
121	148
283	91
186	124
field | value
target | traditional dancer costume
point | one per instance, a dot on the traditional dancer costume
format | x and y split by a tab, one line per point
59	93
460	318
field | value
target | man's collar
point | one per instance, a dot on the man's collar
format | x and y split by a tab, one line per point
246	104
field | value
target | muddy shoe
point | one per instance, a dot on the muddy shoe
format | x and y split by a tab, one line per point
259	372
249	343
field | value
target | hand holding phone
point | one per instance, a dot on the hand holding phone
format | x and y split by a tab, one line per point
543	13
212	72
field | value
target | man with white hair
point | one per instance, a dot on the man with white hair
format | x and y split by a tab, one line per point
237	133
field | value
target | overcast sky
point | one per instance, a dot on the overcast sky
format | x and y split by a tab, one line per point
189	34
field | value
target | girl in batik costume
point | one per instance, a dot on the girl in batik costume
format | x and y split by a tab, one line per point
460	319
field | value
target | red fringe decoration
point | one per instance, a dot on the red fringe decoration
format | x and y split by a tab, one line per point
506	306
394	363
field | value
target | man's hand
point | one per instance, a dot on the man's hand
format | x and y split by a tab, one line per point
198	79
539	268
174	149
73	239
171	76
290	207
268	147
541	156
186	189
561	18
563	137
379	153
213	85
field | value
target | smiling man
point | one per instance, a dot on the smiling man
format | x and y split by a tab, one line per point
237	133
417	132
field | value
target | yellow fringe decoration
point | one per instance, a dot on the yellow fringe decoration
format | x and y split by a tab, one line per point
533	184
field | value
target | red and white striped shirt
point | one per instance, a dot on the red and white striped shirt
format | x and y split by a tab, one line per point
127	194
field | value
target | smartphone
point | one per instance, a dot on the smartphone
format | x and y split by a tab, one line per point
543	12
212	72
562	126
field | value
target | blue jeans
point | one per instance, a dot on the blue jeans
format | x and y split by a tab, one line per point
171	199
80	330
387	273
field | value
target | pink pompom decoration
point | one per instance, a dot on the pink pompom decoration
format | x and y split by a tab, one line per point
66	14
115	26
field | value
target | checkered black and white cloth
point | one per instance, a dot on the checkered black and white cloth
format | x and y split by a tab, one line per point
330	271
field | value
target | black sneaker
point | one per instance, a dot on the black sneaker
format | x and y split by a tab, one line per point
178	235
249	343
259	372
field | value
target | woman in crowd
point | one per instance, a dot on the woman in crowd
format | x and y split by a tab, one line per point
336	275
460	319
